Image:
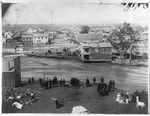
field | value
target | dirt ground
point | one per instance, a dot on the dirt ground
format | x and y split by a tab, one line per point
71	96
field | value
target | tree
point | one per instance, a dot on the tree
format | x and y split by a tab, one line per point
123	38
134	5
85	29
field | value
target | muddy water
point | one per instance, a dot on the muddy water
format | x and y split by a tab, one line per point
128	78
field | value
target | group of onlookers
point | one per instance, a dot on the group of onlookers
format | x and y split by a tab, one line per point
62	82
31	80
75	82
49	83
104	88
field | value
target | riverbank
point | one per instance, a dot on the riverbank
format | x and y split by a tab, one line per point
69	97
138	62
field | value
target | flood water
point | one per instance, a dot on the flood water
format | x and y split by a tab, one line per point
127	78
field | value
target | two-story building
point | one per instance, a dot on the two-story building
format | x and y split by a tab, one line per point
27	39
95	49
96	52
41	38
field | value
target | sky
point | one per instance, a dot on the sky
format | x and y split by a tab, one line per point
67	12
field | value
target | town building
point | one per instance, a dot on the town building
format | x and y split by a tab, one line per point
41	38
11	72
19	49
27	39
94	47
8	35
96	52
11	42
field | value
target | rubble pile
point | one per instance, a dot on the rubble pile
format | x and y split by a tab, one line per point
22	96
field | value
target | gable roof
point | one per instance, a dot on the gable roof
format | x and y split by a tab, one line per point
27	35
41	35
94	44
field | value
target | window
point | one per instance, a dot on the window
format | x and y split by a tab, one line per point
96	50
102	50
86	50
107	50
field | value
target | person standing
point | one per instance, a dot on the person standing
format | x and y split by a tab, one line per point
40	81
87	82
64	82
32	80
113	83
50	83
94	80
102	79
60	82
29	81
78	82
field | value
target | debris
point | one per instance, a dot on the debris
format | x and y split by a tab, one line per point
18	105
79	110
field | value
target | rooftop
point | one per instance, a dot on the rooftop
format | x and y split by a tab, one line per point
90	37
27	35
41	35
94	44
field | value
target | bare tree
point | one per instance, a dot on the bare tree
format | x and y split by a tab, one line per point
134	5
123	38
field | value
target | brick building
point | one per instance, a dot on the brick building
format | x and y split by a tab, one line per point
94	47
27	39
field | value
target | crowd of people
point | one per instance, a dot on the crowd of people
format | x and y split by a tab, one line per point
75	82
62	82
46	83
31	80
104	88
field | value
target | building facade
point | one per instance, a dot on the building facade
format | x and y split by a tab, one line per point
11	75
97	52
41	38
27	39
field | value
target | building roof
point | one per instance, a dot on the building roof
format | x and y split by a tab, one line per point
97	45
60	36
90	37
41	35
27	35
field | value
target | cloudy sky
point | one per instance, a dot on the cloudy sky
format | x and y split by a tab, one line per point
76	12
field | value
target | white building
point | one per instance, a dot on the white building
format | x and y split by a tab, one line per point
41	38
8	35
